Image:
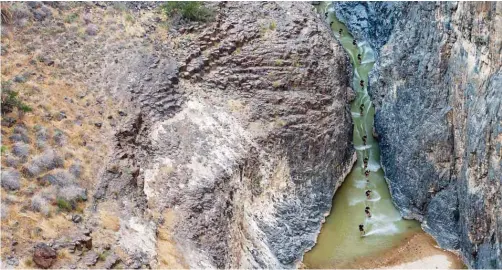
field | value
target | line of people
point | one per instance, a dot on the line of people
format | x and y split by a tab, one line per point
364	138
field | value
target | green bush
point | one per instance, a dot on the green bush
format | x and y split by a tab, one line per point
192	11
64	204
71	18
10	100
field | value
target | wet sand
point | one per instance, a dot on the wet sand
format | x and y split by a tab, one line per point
418	251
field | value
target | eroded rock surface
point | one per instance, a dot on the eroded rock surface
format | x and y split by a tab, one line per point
237	142
437	86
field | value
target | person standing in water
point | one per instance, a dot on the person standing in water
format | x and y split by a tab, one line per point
366	173
359	57
354	42
367	211
368	194
361	109
361	83
365	162
361	229
340	31
364	139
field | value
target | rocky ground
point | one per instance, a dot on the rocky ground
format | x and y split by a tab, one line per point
437	86
160	144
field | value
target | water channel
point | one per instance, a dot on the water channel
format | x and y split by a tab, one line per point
340	242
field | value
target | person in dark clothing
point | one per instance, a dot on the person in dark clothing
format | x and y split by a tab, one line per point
354	42
326	15
359	58
364	139
331	24
361	229
368	194
340	31
367	211
365	162
361	108
366	173
361	83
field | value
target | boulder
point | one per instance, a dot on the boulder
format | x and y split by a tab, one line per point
44	256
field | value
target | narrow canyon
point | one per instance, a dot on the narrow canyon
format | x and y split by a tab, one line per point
251	135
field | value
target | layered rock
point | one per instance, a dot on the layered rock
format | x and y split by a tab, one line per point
241	156
437	85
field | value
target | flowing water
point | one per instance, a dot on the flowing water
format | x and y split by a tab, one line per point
340	243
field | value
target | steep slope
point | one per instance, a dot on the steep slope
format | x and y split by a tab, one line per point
248	163
437	84
215	144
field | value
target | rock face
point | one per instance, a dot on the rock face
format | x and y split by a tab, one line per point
437	86
245	150
44	256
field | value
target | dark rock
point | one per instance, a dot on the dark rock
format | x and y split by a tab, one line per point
90	258
76	218
44	256
20	79
34	4
8	121
111	261
12	261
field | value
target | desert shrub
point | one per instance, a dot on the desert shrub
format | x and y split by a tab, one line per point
60	178
42	134
192	11
19	138
40	204
11	161
11	101
10	179
70	18
76	169
64	204
73	193
21	150
46	161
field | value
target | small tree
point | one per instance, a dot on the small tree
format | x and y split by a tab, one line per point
10	101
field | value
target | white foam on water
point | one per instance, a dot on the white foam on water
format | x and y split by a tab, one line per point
374	197
355	201
362	147
361	183
388	229
356	114
373	167
382	219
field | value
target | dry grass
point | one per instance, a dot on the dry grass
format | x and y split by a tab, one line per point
169	256
109	221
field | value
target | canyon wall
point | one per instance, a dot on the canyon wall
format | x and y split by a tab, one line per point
437	87
194	144
241	138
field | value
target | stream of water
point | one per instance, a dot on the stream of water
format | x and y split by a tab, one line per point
340	242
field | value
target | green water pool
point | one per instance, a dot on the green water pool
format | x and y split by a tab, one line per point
340	243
